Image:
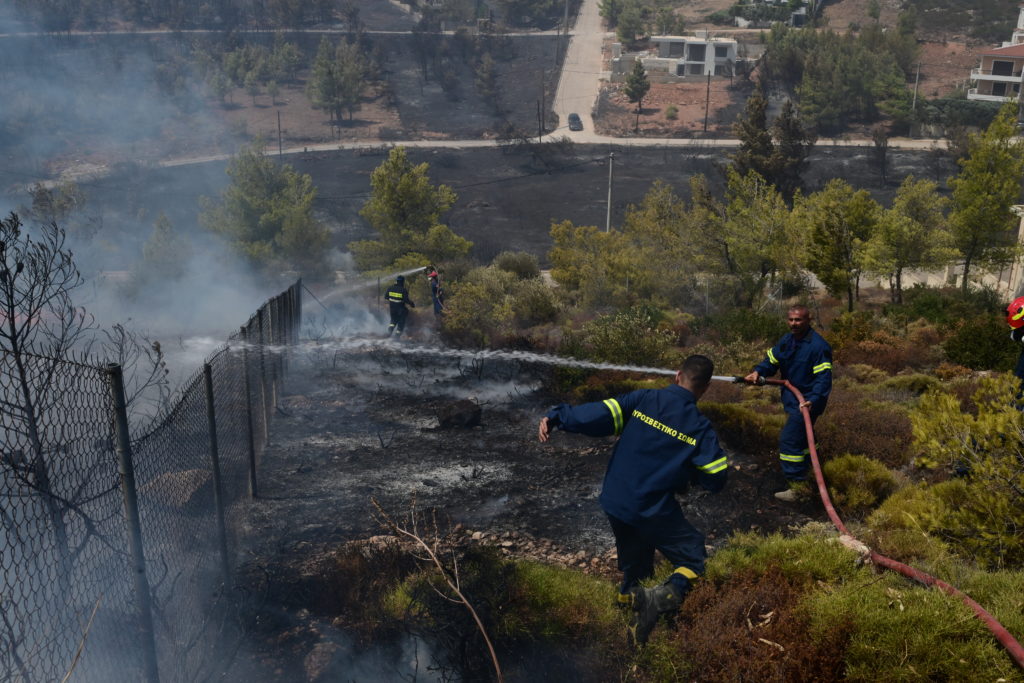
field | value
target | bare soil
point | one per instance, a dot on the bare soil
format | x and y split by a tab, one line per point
354	428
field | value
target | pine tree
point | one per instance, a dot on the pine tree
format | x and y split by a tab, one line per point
636	88
756	148
988	185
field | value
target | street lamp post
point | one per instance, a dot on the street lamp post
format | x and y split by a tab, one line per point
608	215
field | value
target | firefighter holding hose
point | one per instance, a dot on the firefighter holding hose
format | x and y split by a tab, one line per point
805	359
398	300
665	444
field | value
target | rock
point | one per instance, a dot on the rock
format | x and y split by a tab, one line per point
477	536
462	413
181	490
323	663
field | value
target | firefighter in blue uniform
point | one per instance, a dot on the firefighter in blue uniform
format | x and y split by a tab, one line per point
805	359
665	445
398	299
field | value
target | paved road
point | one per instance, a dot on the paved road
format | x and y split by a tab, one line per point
582	68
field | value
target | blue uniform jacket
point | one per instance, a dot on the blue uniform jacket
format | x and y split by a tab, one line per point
807	364
665	444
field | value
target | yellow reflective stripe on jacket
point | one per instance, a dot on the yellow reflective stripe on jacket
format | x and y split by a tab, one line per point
714	467
1020	314
686	571
792	458
616	411
822	367
771	357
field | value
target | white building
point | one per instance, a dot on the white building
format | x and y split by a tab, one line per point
680	57
999	77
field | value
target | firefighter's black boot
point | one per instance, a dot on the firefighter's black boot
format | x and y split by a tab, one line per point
651	603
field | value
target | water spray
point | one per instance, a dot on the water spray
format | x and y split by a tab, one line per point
364	284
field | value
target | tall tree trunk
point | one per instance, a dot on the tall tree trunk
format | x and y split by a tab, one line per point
899	285
849	296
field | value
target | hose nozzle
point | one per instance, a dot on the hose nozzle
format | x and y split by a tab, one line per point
736	379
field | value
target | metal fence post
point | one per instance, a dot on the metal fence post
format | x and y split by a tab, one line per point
272	319
126	470
263	376
298	310
218	490
248	413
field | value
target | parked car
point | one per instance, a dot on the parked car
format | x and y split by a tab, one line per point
575	122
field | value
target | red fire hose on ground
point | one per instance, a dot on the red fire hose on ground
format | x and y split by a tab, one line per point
1004	637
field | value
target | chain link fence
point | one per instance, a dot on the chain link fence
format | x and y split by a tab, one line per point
117	549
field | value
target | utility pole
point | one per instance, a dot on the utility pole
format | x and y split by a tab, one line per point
707	103
917	78
608	216
543	105
280	151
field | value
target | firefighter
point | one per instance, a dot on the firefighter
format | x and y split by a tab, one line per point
805	359
436	291
665	445
1015	319
398	300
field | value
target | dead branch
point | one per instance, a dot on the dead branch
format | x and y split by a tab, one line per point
81	643
450	576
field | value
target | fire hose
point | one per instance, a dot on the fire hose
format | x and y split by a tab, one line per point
1012	646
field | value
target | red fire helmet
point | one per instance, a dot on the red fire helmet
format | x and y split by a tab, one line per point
1015	313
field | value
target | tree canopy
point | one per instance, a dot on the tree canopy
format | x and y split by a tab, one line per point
405	209
988	185
267	213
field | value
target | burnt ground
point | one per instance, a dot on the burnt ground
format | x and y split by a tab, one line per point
353	428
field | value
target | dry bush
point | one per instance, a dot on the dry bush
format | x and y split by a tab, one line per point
851	426
882	351
751	629
859	372
950	371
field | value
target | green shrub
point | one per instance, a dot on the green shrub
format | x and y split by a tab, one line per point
857	484
904	632
982	342
743	428
490	307
895	630
945	306
851	327
671	112
520	263
985	524
632	337
904	527
534	303
739	324
915	383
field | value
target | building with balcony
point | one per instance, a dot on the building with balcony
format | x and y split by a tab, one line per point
998	79
679	57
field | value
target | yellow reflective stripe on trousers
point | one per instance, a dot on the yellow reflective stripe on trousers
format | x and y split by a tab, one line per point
714	467
792	458
616	411
686	571
822	367
771	357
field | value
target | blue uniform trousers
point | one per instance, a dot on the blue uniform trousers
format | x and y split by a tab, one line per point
672	534
794	454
